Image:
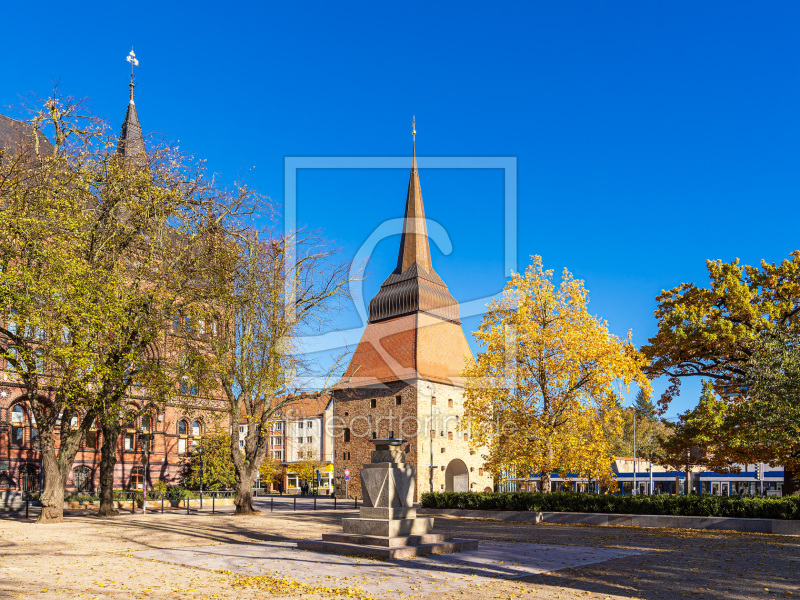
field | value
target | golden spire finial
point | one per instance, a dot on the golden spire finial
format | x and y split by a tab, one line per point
414	128
131	58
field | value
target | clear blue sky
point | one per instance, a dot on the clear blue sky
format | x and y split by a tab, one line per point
649	136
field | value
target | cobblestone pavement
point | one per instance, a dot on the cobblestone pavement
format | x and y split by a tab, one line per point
86	557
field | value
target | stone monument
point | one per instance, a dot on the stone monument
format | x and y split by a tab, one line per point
388	526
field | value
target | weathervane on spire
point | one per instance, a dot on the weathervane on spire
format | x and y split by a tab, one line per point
131	58
414	127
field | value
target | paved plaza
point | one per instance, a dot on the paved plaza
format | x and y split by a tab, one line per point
175	555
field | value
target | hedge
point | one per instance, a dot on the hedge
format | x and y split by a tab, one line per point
703	505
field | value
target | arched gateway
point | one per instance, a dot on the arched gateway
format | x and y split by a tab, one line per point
456	477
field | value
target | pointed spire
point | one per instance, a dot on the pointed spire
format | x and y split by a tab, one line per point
413	287
131	140
414	247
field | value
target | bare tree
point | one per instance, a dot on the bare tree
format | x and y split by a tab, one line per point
267	291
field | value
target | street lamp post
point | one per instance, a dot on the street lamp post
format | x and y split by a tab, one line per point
146	439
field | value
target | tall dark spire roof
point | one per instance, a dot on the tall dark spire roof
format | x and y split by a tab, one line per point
131	140
413	286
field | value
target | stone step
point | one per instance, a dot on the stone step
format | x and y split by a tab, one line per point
388	553
391	542
385	528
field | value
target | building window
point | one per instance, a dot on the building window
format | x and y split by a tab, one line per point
128	441
433	400
309	440
28	478
146	423
90	439
82	478
471	469
299	440
201	327
40	361
196	429
398	400
480	472
450	403
449	435
309	424
182	427
374	435
17	426
466	437
442	451
12	352
373	403
137	478
12	324
299	424
182	445
347	434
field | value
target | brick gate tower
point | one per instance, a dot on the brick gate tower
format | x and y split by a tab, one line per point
404	379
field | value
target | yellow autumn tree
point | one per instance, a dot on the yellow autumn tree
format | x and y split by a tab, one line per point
542	396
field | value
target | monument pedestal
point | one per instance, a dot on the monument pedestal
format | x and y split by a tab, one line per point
388	526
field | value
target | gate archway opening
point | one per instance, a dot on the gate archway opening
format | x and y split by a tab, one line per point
456	476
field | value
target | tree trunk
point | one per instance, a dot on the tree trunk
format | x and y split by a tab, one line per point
244	492
55	469
791	482
52	496
545	478
108	462
545	481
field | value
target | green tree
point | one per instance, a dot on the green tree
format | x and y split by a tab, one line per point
97	253
644	406
211	464
724	334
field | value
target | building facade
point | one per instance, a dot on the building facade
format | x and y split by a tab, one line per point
404	379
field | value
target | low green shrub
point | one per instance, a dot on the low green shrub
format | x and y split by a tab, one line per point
704	505
81	497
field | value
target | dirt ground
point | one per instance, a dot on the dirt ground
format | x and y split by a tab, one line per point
86	557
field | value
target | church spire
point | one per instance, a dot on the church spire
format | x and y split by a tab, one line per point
131	140
414	286
414	247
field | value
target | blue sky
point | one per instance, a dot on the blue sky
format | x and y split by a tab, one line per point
649	137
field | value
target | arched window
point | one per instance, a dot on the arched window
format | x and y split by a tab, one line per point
17	426
146	423
196	429
183	427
